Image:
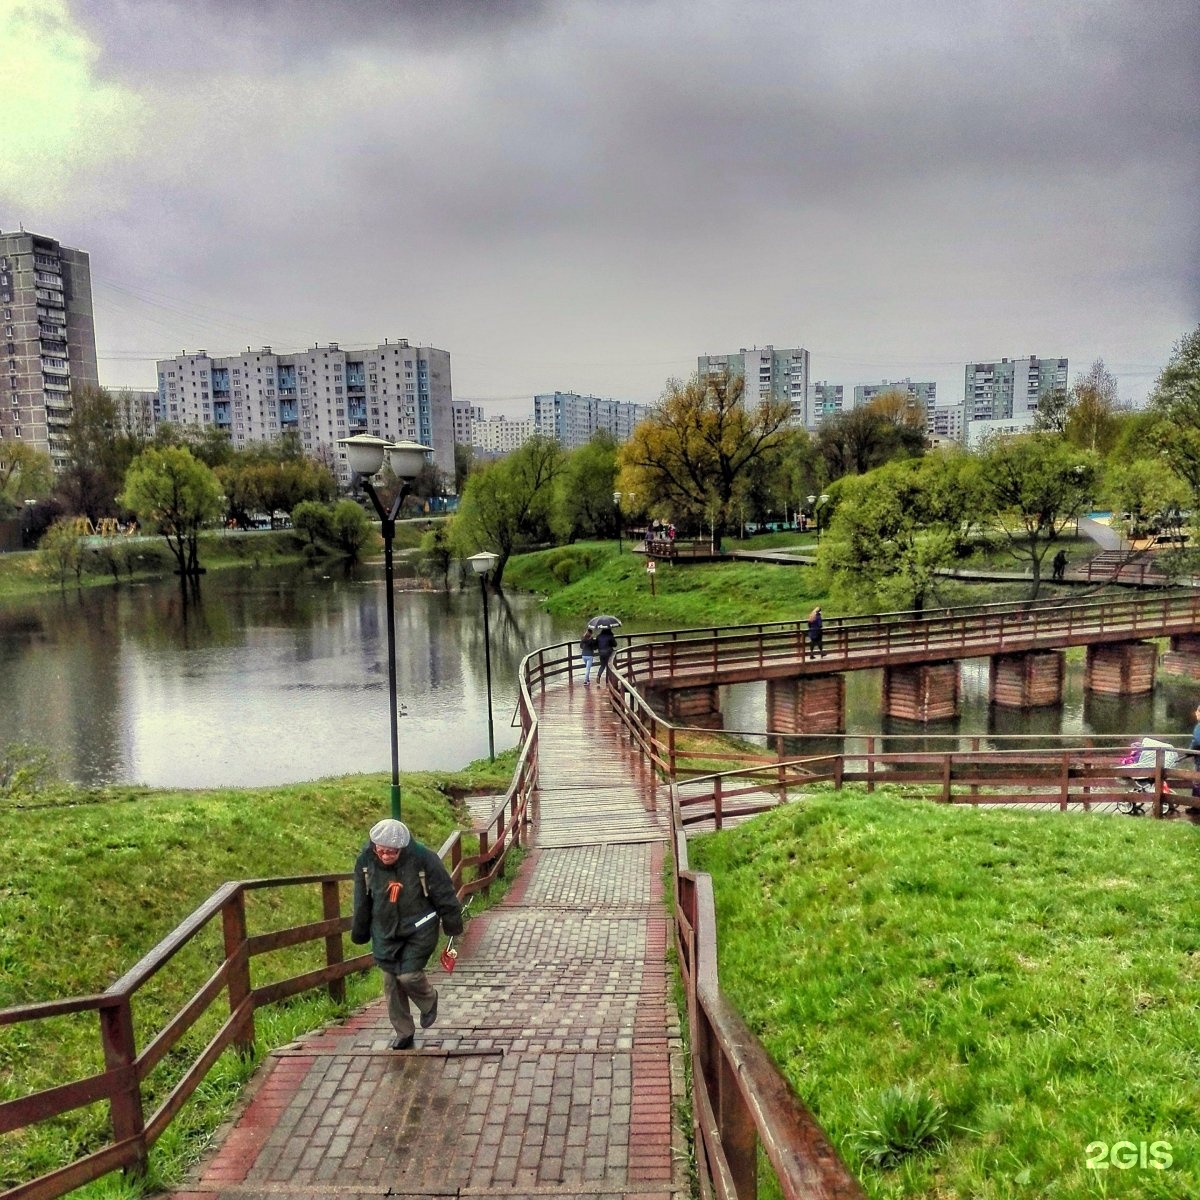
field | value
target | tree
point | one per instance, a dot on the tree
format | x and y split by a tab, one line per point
1032	485
896	528
313	520
1176	398
694	451
464	464
1051	413
854	442
61	550
1149	492
98	454
25	474
351	528
1091	421
506	505
583	502
437	553
176	493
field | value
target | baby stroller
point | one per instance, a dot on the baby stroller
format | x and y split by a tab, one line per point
1144	753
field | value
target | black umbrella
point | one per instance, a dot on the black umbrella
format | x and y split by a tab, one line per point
604	622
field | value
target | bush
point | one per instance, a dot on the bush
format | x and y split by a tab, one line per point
569	563
25	770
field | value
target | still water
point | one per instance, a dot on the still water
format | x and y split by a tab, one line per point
276	675
280	675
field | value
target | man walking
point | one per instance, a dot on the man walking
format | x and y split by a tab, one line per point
401	888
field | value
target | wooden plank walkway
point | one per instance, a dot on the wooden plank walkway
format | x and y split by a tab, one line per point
555	1067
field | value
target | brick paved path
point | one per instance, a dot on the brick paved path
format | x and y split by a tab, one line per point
555	1064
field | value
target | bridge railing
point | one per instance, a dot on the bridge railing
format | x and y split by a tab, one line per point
220	926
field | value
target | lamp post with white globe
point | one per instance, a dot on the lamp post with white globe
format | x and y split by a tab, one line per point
365	454
481	564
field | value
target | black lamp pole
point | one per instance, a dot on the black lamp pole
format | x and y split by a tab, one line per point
387	520
487	659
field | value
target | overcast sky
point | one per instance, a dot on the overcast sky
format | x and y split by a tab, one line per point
587	195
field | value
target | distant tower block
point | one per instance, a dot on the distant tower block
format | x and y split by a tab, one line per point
1027	680
1121	668
695	706
925	692
809	704
1183	658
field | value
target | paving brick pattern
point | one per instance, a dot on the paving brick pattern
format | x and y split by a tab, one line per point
555	1066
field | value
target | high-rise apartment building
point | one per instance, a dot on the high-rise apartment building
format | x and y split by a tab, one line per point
946	423
500	435
920	392
396	391
573	420
824	400
465	414
49	338
1011	388
780	376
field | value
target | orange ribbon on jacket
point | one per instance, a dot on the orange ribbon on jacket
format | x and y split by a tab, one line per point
394	890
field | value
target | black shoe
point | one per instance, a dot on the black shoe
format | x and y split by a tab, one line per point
399	1043
428	1018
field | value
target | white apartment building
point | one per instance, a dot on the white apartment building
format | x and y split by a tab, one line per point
395	391
464	415
780	376
573	420
500	435
946	423
49	339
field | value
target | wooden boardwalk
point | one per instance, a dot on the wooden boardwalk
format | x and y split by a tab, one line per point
555	1067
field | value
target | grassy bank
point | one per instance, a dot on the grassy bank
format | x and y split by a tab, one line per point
589	577
1035	977
93	880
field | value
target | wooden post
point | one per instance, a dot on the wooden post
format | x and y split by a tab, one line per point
739	1138
717	800
946	793
331	907
233	923
484	845
125	1105
871	763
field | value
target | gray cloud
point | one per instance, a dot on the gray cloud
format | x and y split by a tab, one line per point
537	183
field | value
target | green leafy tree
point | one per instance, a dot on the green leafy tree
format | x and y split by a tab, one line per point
1052	409
179	495
351	528
855	442
583	503
25	474
207	443
894	530
98	454
1031	486
464	464
60	552
695	451
313	520
1176	399
437	553
506	505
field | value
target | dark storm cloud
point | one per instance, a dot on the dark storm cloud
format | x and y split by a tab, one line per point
206	35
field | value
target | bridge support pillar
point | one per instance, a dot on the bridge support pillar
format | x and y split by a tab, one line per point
923	692
1183	658
695	706
808	704
1121	668
1027	680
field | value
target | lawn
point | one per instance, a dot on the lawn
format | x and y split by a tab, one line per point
1034	976
93	880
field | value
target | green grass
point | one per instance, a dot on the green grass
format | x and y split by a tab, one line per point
93	880
1036	976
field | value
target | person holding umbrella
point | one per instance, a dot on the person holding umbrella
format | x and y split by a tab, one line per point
606	641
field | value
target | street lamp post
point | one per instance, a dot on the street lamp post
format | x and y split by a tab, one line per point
821	499
365	454
812	508
481	564
617	506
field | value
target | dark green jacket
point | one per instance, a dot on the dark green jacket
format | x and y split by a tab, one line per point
401	922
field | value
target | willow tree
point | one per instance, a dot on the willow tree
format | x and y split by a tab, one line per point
693	455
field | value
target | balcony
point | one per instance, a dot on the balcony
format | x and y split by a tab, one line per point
54	299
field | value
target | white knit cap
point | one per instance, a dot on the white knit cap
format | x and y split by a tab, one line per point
391	834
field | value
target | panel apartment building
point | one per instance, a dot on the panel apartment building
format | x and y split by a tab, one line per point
49	338
780	376
1010	388
394	391
573	420
920	392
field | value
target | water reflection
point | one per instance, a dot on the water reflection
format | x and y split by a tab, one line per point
271	675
